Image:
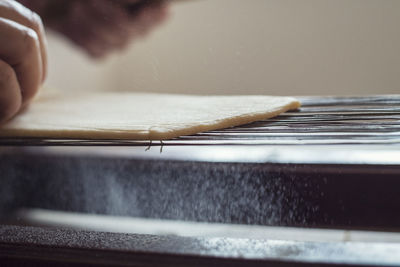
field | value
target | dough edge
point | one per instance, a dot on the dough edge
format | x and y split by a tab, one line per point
152	135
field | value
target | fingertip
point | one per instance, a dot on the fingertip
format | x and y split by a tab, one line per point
8	111
10	93
41	34
29	54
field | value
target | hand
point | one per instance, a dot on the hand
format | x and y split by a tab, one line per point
23	58
101	26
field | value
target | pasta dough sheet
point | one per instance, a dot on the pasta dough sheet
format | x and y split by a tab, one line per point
139	116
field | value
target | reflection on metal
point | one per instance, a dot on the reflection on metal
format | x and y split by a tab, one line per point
131	225
317	154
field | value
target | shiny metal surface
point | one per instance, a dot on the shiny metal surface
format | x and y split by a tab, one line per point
70	246
136	225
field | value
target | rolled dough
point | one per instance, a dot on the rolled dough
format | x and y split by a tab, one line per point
139	116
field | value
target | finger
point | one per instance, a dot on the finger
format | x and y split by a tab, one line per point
10	92
148	17
82	29
112	21
101	26
19	47
14	11
108	20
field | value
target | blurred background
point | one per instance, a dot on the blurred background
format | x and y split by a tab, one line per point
273	47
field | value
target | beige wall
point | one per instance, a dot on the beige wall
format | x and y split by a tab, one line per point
280	47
